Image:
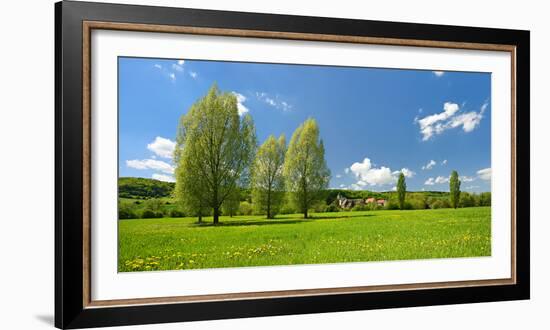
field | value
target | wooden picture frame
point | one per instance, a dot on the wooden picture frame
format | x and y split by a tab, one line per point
74	307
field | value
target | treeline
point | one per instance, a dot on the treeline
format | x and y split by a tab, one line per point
143	206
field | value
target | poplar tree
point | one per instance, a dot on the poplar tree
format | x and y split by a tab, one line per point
454	188
401	190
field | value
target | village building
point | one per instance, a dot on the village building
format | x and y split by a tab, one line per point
348	203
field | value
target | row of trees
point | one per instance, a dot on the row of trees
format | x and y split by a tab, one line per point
162	207
454	190
216	156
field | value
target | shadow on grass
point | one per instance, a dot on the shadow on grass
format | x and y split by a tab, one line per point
280	221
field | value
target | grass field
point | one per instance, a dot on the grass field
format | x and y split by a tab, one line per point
181	243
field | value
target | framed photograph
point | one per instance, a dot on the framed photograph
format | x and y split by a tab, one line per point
214	164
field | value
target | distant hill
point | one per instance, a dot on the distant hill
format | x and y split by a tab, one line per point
143	188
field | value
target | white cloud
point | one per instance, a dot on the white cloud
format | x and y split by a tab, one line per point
430	165
467	178
484	174
406	172
440	122
150	164
270	101
177	67
444	162
469	121
163	177
429	182
427	123
368	175
162	147
346	170
438	73
172	71
240	106
437	180
471	187
273	101
342	186
338	176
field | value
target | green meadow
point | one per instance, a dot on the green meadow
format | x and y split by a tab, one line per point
331	237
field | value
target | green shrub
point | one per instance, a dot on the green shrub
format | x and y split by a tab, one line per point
440	204
320	207
332	208
407	205
287	208
484	199
175	213
360	207
245	208
392	206
373	207
466	200
153	204
417	204
126	212
148	214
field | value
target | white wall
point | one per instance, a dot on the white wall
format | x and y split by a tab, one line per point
27	154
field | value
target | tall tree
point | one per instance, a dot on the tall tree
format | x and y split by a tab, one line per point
305	169
401	190
454	188
216	150
190	189
267	176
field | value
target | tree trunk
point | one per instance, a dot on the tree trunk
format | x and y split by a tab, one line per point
305	203
216	215
269	204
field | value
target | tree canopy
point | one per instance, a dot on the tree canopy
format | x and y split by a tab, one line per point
267	176
305	168
215	147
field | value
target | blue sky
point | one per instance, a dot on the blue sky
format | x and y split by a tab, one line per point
375	123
